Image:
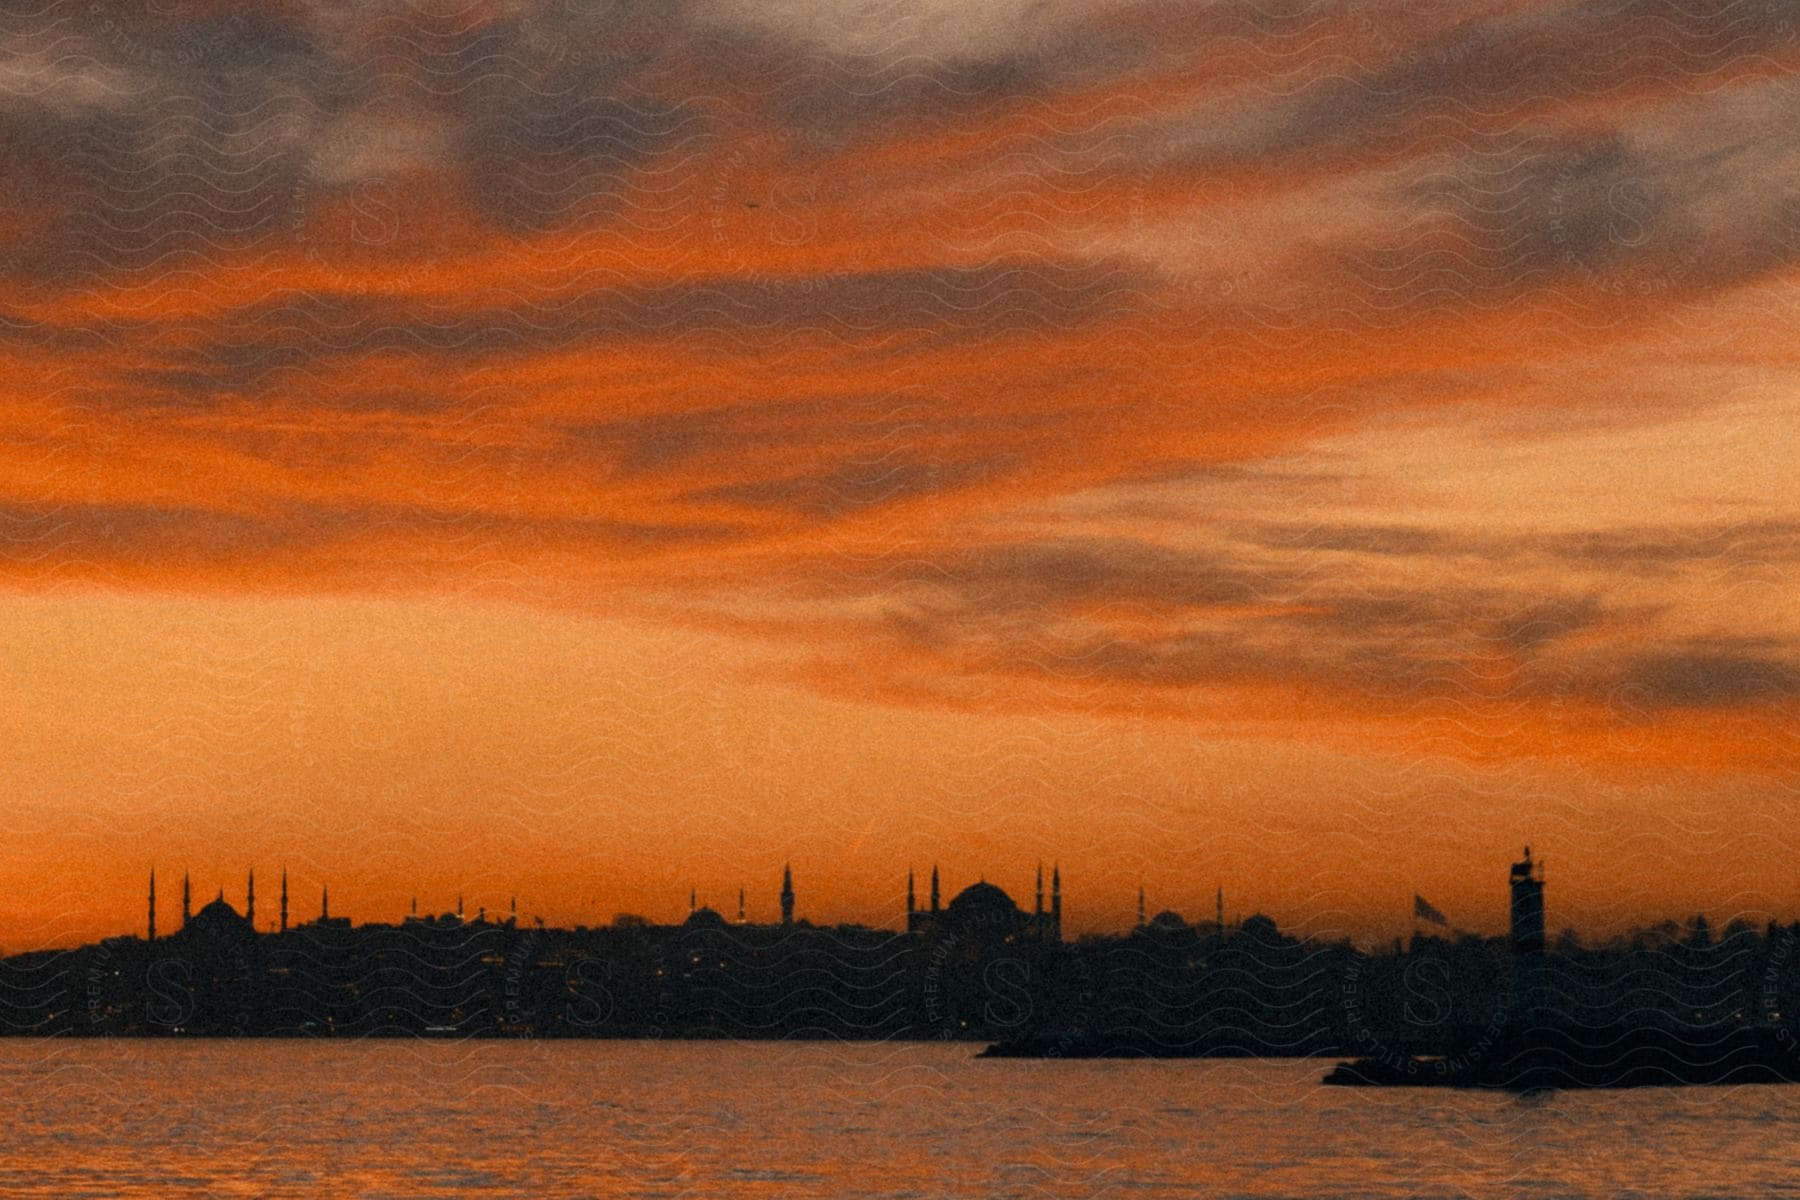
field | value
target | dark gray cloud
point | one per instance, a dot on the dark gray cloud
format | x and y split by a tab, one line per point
1713	673
878	448
261	345
1619	151
167	139
169	538
1134	613
853	485
1584	214
183	138
557	109
1734	544
1498	63
1396	540
1091	570
832	74
159	136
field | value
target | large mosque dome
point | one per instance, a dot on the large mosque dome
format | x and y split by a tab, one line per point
985	911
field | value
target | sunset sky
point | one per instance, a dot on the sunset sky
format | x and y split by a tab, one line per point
589	449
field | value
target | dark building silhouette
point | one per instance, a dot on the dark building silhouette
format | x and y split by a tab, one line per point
977	967
327	921
217	919
1527	935
1527	928
917	921
986	912
705	917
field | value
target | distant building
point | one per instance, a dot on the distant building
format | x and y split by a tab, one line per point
218	921
986	913
1527	882
327	921
1527	936
705	918
1168	921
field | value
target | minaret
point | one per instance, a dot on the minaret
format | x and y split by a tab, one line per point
325	902
459	917
284	899
693	901
1141	921
1039	910
787	895
250	900
152	936
187	911
740	904
934	889
912	902
1056	900
512	909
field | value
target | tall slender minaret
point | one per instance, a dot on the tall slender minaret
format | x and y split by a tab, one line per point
512	909
152	936
740	904
250	899
693	901
1141	921
1039	910
934	889
325	902
187	911
459	916
912	903
787	895
1056	900
284	899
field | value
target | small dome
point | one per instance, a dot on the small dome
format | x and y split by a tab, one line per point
1261	928
1168	918
704	918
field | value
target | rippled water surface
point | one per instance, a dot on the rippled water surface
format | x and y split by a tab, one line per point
162	1119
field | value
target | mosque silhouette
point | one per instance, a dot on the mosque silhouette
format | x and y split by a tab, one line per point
977	967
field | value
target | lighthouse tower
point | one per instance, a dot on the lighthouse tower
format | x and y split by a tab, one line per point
1527	882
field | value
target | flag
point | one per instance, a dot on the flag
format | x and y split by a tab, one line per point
1422	911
